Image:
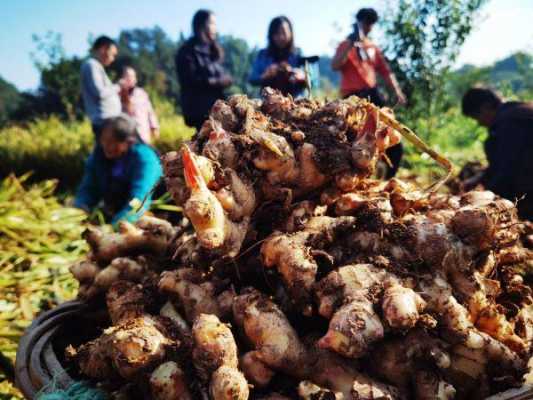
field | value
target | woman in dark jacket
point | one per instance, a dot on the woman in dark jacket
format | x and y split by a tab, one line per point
278	66
200	72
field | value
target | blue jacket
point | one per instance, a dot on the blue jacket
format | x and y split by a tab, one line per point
264	60
118	182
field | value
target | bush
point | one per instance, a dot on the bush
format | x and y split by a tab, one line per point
456	137
48	147
172	127
55	149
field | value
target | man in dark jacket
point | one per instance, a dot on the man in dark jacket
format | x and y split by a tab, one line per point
509	146
201	74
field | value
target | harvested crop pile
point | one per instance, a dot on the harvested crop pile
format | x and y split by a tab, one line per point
299	276
39	240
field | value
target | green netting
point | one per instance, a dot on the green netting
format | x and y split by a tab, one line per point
78	391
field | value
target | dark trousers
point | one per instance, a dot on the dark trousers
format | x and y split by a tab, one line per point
394	153
372	95
97	130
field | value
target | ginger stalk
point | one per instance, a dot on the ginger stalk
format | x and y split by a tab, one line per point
213	227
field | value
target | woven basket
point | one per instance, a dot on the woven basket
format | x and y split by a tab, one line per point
40	365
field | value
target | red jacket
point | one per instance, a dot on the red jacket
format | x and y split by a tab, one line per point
358	74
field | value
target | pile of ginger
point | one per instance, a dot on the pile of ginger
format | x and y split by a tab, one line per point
295	275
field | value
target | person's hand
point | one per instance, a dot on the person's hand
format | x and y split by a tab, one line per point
124	91
125	84
472	182
270	72
226	80
298	75
402	100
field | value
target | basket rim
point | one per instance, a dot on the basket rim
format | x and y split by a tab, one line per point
30	377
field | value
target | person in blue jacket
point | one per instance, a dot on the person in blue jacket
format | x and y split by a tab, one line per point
279	65
121	172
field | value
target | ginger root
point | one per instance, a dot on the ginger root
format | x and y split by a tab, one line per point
215	359
309	391
290	253
168	382
353	328
275	341
128	348
194	292
149	235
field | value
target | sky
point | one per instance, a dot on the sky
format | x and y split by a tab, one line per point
505	26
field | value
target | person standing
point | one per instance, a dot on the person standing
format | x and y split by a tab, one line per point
137	104
100	96
359	61
278	66
508	147
201	74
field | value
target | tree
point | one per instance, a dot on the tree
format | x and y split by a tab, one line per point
9	100
151	52
326	72
516	70
60	75
424	39
238	59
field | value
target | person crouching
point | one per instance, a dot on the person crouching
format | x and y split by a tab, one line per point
121	172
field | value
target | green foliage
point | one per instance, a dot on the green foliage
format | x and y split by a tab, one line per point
515	72
60	75
173	130
48	147
238	59
424	38
329	77
151	52
52	148
63	80
9	100
458	138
